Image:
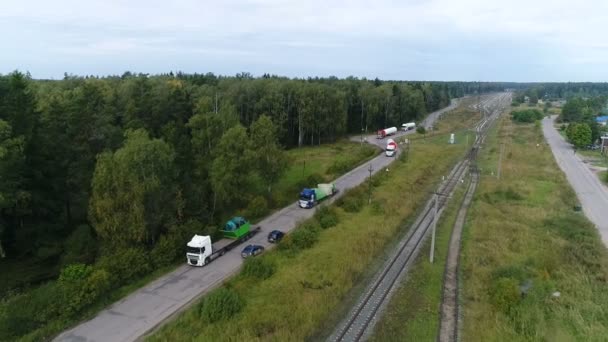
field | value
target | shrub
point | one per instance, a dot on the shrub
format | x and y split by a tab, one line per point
302	238
221	304
311	181
327	217
353	204
504	294
420	130
502	195
74	273
340	166
258	207
80	247
353	200
378	207
261	268
125	264
528	115
168	249
80	293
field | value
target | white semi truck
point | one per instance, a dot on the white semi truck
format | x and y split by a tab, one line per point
200	251
408	126
391	148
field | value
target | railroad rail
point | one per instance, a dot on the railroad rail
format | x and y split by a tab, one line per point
359	323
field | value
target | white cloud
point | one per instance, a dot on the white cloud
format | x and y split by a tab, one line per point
460	38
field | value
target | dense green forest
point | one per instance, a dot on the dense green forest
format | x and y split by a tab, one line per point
189	130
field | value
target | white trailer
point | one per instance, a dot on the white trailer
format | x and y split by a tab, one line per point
382	133
408	126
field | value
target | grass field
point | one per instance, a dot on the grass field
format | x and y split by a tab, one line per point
524	243
413	313
307	287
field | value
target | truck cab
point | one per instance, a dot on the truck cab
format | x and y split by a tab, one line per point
198	250
391	148
307	198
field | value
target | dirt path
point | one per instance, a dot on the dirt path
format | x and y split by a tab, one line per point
448	325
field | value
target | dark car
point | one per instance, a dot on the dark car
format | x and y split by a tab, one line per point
252	250
275	236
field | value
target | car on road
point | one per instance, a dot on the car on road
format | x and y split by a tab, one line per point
275	236
252	250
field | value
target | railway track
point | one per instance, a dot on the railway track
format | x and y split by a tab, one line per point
450	314
359	323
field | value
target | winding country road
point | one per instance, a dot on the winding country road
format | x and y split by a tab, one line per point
591	193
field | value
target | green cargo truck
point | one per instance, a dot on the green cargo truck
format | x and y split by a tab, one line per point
310	197
236	227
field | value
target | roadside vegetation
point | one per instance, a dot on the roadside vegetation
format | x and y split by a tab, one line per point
533	268
317	265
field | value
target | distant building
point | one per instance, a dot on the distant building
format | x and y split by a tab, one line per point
602	120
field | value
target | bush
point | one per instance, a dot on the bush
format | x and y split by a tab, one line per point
75	273
353	204
125	264
258	207
340	166
260	268
80	247
353	200
221	304
420	130
168	249
302	238
311	181
528	115
504	294
327	217
502	195
78	294
378	207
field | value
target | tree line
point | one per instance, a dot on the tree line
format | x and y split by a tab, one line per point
76	149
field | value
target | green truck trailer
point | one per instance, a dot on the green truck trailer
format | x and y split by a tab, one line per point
236	227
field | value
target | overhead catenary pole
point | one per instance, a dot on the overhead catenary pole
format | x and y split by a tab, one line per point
369	191
502	148
434	228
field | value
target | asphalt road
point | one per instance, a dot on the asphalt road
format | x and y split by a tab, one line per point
591	193
153	304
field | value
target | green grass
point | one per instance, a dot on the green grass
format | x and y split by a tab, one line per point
413	313
594	157
522	231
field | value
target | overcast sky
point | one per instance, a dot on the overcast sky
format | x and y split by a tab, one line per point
515	40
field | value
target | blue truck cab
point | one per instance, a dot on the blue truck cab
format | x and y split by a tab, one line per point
307	198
